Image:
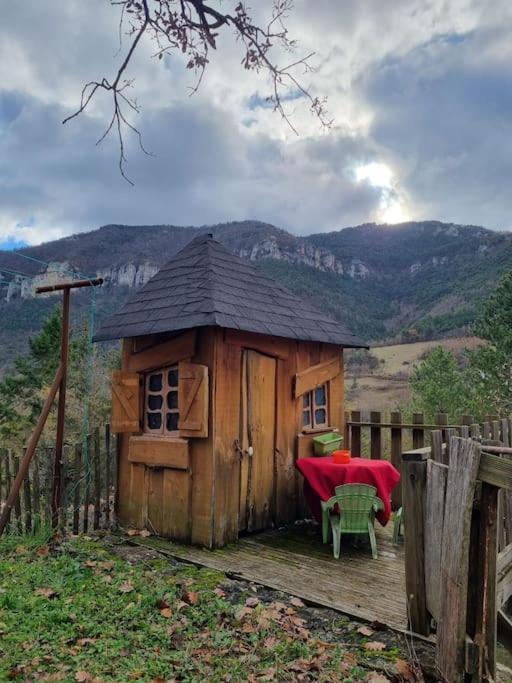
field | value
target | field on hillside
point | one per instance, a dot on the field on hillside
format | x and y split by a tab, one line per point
386	386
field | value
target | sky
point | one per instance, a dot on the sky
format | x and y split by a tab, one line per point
420	93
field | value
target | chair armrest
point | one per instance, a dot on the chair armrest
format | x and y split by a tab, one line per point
377	504
327	505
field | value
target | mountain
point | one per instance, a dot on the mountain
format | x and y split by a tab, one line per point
407	281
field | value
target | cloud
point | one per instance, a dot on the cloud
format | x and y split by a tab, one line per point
421	89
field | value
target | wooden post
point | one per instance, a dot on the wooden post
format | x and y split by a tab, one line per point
61	413
1	475
505	432
486	614
418	435
396	456
15	461
346	431
76	485
496	431
475	431
108	475
442	421
355	443
97	480
460	491
36	491
87	484
414	479
63	506
27	503
450	432
436	438
375	436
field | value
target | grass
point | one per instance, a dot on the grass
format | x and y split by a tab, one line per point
74	611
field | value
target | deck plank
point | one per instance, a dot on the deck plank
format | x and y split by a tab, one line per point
295	561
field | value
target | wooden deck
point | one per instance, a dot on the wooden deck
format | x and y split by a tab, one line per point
294	560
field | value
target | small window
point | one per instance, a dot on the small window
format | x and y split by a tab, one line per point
315	413
161	402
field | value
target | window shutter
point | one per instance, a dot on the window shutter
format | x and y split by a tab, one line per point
125	402
193	399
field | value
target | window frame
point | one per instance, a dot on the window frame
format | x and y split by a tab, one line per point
164	410
312	407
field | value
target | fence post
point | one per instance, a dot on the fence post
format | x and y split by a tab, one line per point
27	503
76	486
414	480
486	614
355	443
63	502
17	503
396	456
108	473
87	478
36	491
418	435
375	436
97	480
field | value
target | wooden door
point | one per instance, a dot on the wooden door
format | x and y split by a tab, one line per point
257	440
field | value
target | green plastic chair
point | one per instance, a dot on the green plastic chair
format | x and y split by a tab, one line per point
398	520
357	505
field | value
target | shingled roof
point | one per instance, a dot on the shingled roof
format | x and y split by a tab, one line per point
205	284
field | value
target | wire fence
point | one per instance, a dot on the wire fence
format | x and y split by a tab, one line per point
89	473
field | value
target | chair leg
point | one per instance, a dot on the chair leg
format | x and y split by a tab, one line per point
373	540
397	526
325	526
336	541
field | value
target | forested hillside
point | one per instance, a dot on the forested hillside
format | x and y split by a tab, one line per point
410	281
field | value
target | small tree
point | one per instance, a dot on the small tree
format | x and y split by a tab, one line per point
438	385
489	373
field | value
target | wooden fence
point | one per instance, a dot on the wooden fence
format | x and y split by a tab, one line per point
88	485
369	433
457	505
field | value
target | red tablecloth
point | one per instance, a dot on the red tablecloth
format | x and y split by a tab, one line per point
322	475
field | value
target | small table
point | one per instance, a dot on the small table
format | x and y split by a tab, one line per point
322	475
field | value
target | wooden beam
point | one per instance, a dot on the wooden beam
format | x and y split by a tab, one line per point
504	575
168	352
271	346
316	375
66	286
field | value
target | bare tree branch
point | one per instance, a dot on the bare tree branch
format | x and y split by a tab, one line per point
192	28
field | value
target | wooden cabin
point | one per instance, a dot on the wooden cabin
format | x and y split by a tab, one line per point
226	378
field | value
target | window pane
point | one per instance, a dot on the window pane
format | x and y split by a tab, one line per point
320	416
172	422
154	420
155	382
306	399
172	378
306	418
154	402
172	400
320	395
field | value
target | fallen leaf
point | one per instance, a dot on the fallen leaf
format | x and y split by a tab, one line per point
133	532
46	593
145	533
375	677
43	551
161	603
405	671
219	592
375	646
296	602
90	563
21	550
82	676
166	612
126	587
252	602
190	597
365	631
180	605
242	612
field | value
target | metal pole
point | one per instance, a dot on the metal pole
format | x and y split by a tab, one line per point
59	443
